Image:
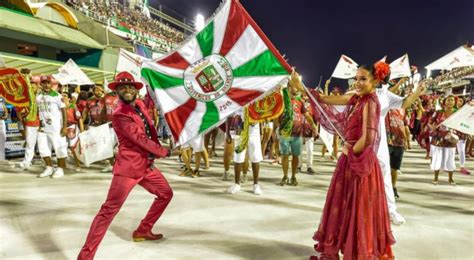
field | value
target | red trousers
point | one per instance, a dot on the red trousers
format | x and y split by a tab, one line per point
153	181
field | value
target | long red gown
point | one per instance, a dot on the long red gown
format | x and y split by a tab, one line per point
355	218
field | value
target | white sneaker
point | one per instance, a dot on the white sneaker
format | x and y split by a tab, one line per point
397	219
107	168
257	190
47	172
24	165
58	173
234	188
78	169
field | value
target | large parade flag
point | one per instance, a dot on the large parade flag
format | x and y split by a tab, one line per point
400	68
346	68
216	72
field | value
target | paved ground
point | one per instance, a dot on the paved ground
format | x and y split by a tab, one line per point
49	218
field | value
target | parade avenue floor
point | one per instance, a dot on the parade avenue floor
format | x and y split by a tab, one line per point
49	218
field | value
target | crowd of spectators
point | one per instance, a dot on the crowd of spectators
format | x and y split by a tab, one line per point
141	28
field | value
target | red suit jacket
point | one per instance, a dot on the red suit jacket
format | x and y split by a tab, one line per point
134	146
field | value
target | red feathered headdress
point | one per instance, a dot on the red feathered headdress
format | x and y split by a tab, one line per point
381	71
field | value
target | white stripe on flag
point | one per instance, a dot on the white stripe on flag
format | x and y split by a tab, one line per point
247	47
171	98
177	73
191	51
192	125
226	106
220	25
257	83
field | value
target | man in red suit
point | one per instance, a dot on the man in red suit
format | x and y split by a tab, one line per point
138	147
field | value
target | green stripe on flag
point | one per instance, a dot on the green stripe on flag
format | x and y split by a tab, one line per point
206	39
265	64
210	118
160	80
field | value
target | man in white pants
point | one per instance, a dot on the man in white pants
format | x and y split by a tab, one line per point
254	149
53	129
388	101
3	129
31	122
309	134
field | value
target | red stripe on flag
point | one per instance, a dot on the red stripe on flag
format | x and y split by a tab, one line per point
236	24
177	118
242	96
271	47
174	60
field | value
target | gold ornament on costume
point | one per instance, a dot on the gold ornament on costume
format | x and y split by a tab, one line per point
13	87
267	108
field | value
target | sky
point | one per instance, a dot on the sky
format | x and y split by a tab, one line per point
314	34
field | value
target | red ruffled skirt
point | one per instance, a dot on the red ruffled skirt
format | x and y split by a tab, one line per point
355	218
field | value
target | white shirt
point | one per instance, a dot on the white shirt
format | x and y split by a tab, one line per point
49	110
387	101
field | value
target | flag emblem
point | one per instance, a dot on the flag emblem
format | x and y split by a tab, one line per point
208	79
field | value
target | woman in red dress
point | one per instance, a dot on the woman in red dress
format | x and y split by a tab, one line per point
355	219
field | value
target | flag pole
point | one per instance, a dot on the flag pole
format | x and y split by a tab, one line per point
322	111
320	79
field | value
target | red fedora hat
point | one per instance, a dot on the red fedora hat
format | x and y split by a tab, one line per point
124	78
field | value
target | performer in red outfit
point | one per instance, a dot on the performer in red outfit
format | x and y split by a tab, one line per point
95	105
355	219
111	102
138	147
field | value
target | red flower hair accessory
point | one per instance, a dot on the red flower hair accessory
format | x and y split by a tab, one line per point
381	71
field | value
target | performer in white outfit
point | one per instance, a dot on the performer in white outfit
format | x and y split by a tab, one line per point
53	129
388	101
30	121
252	146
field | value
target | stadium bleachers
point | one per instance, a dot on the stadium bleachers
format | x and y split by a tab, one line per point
140	28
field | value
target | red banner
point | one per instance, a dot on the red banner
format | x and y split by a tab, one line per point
13	87
266	109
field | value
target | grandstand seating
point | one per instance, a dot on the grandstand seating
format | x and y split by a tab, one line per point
133	23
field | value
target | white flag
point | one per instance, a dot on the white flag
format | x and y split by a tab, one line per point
346	68
70	73
96	144
131	63
462	120
400	67
460	57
